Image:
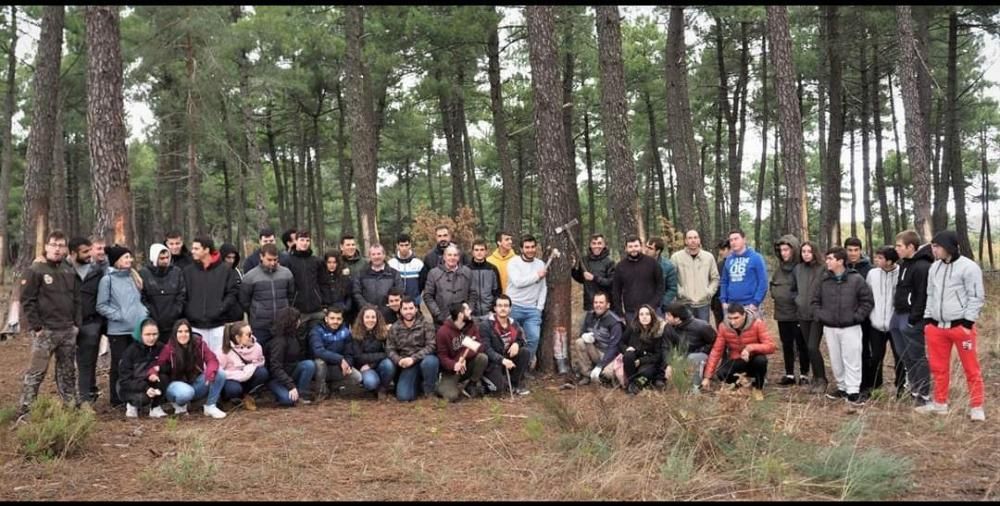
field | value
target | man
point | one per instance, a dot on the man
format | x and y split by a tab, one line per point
841	303
504	345
855	258
722	251
744	276
638	280
372	285
502	255
485	281
435	256
882	280
599	273
786	312
955	296
747	343
89	271
697	276
909	303
654	248
328	342
409	267
310	279
265	290
689	336
163	291
462	368
411	346
351	261
179	254
266	236
288	238
393	303
597	345
50	296
447	284
211	292
527	290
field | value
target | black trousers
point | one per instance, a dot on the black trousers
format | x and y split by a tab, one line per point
872	355
88	343
495	372
756	367
118	345
812	331
792	341
140	398
632	371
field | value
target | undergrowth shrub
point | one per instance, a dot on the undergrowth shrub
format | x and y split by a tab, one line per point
54	430
191	468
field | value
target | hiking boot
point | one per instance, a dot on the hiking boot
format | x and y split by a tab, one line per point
131	411
977	414
180	410
932	407
157	412
213	411
249	404
788	379
757	394
838	394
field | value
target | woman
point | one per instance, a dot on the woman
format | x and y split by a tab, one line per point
366	351
243	362
337	290
808	273
291	371
190	370
133	384
642	350
119	299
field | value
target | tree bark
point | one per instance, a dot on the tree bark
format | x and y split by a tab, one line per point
830	201
866	196
914	123
765	113
790	122
345	169
940	179
880	180
569	64
551	161
721	113
897	178
456	158
614	122
7	158
511	218
360	111
735	166
854	193
591	196
986	234
654	150
954	137
250	130
58	211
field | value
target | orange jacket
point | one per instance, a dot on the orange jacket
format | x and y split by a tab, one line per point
753	335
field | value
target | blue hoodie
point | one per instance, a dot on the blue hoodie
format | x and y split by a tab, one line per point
329	345
744	279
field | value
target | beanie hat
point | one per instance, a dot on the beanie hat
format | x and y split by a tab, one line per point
115	252
948	239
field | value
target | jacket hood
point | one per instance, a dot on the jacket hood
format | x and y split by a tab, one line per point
792	241
746	323
924	253
226	249
214	259
600	256
948	240
137	333
154	252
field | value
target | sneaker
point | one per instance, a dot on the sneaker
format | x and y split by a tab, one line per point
633	388
855	400
249	404
131	411
977	414
839	394
180	410
932	407
157	412
521	391
788	379
757	394
214	412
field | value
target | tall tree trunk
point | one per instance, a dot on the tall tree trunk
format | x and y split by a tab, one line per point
915	152
58	212
776	220
986	235
940	179
721	113
279	179
922	18
854	193
866	196
569	64
430	175
897	178
446	100
73	194
359	105
790	121
954	137
591	205
735	165
195	215
654	150
511	218
822	92
830	230
765	113
250	130
345	169
880	178
614	121
551	161
7	158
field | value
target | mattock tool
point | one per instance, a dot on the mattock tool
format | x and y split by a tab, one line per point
576	249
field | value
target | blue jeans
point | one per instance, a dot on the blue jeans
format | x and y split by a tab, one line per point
427	370
909	340
303	376
235	389
530	319
702	313
181	393
380	376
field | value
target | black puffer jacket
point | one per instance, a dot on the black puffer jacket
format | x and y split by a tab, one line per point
212	293
843	301
368	351
603	269
164	295
372	287
911	291
309	273
133	369
337	290
486	286
88	293
265	292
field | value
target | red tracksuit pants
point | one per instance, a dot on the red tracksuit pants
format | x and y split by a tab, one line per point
939	343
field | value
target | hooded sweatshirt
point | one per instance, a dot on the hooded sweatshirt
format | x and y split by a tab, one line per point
744	278
119	300
240	362
911	291
753	335
449	344
212	292
783	284
226	249
603	269
955	293
863	266
500	261
883	285
163	291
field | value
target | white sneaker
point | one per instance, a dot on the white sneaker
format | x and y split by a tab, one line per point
180	410
157	412
131	411
932	407
977	414
214	412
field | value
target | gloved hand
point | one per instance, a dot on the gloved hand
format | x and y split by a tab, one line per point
588	337
595	374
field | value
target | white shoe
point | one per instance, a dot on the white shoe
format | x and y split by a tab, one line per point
180	410
932	407
214	412
131	411
977	414
157	412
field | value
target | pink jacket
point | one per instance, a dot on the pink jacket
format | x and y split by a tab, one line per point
240	369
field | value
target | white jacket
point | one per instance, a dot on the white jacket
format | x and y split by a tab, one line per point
954	291
883	285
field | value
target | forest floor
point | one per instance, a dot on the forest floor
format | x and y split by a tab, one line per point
573	444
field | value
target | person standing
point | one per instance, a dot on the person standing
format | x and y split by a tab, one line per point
266	237
744	276
485	282
447	284
89	270
408	265
599	274
266	289
786	313
697	276
527	291
310	278
371	286
808	274
50	297
841	303
163	290
955	296
352	262
909	303
654	248
882	280
179	254
435	256
722	251
212	292
503	254
856	259
338	290
638	280
119	300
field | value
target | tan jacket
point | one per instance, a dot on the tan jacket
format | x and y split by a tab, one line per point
697	278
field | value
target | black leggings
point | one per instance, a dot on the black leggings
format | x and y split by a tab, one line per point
757	367
792	340
632	371
813	336
871	373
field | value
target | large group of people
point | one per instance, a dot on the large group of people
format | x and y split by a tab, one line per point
192	325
